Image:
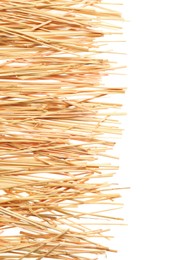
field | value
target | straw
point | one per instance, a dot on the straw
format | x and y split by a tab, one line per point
56	123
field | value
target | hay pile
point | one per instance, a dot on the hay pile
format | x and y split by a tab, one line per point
56	128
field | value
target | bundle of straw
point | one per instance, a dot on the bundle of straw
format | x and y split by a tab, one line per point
56	128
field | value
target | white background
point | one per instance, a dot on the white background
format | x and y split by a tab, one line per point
147	156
